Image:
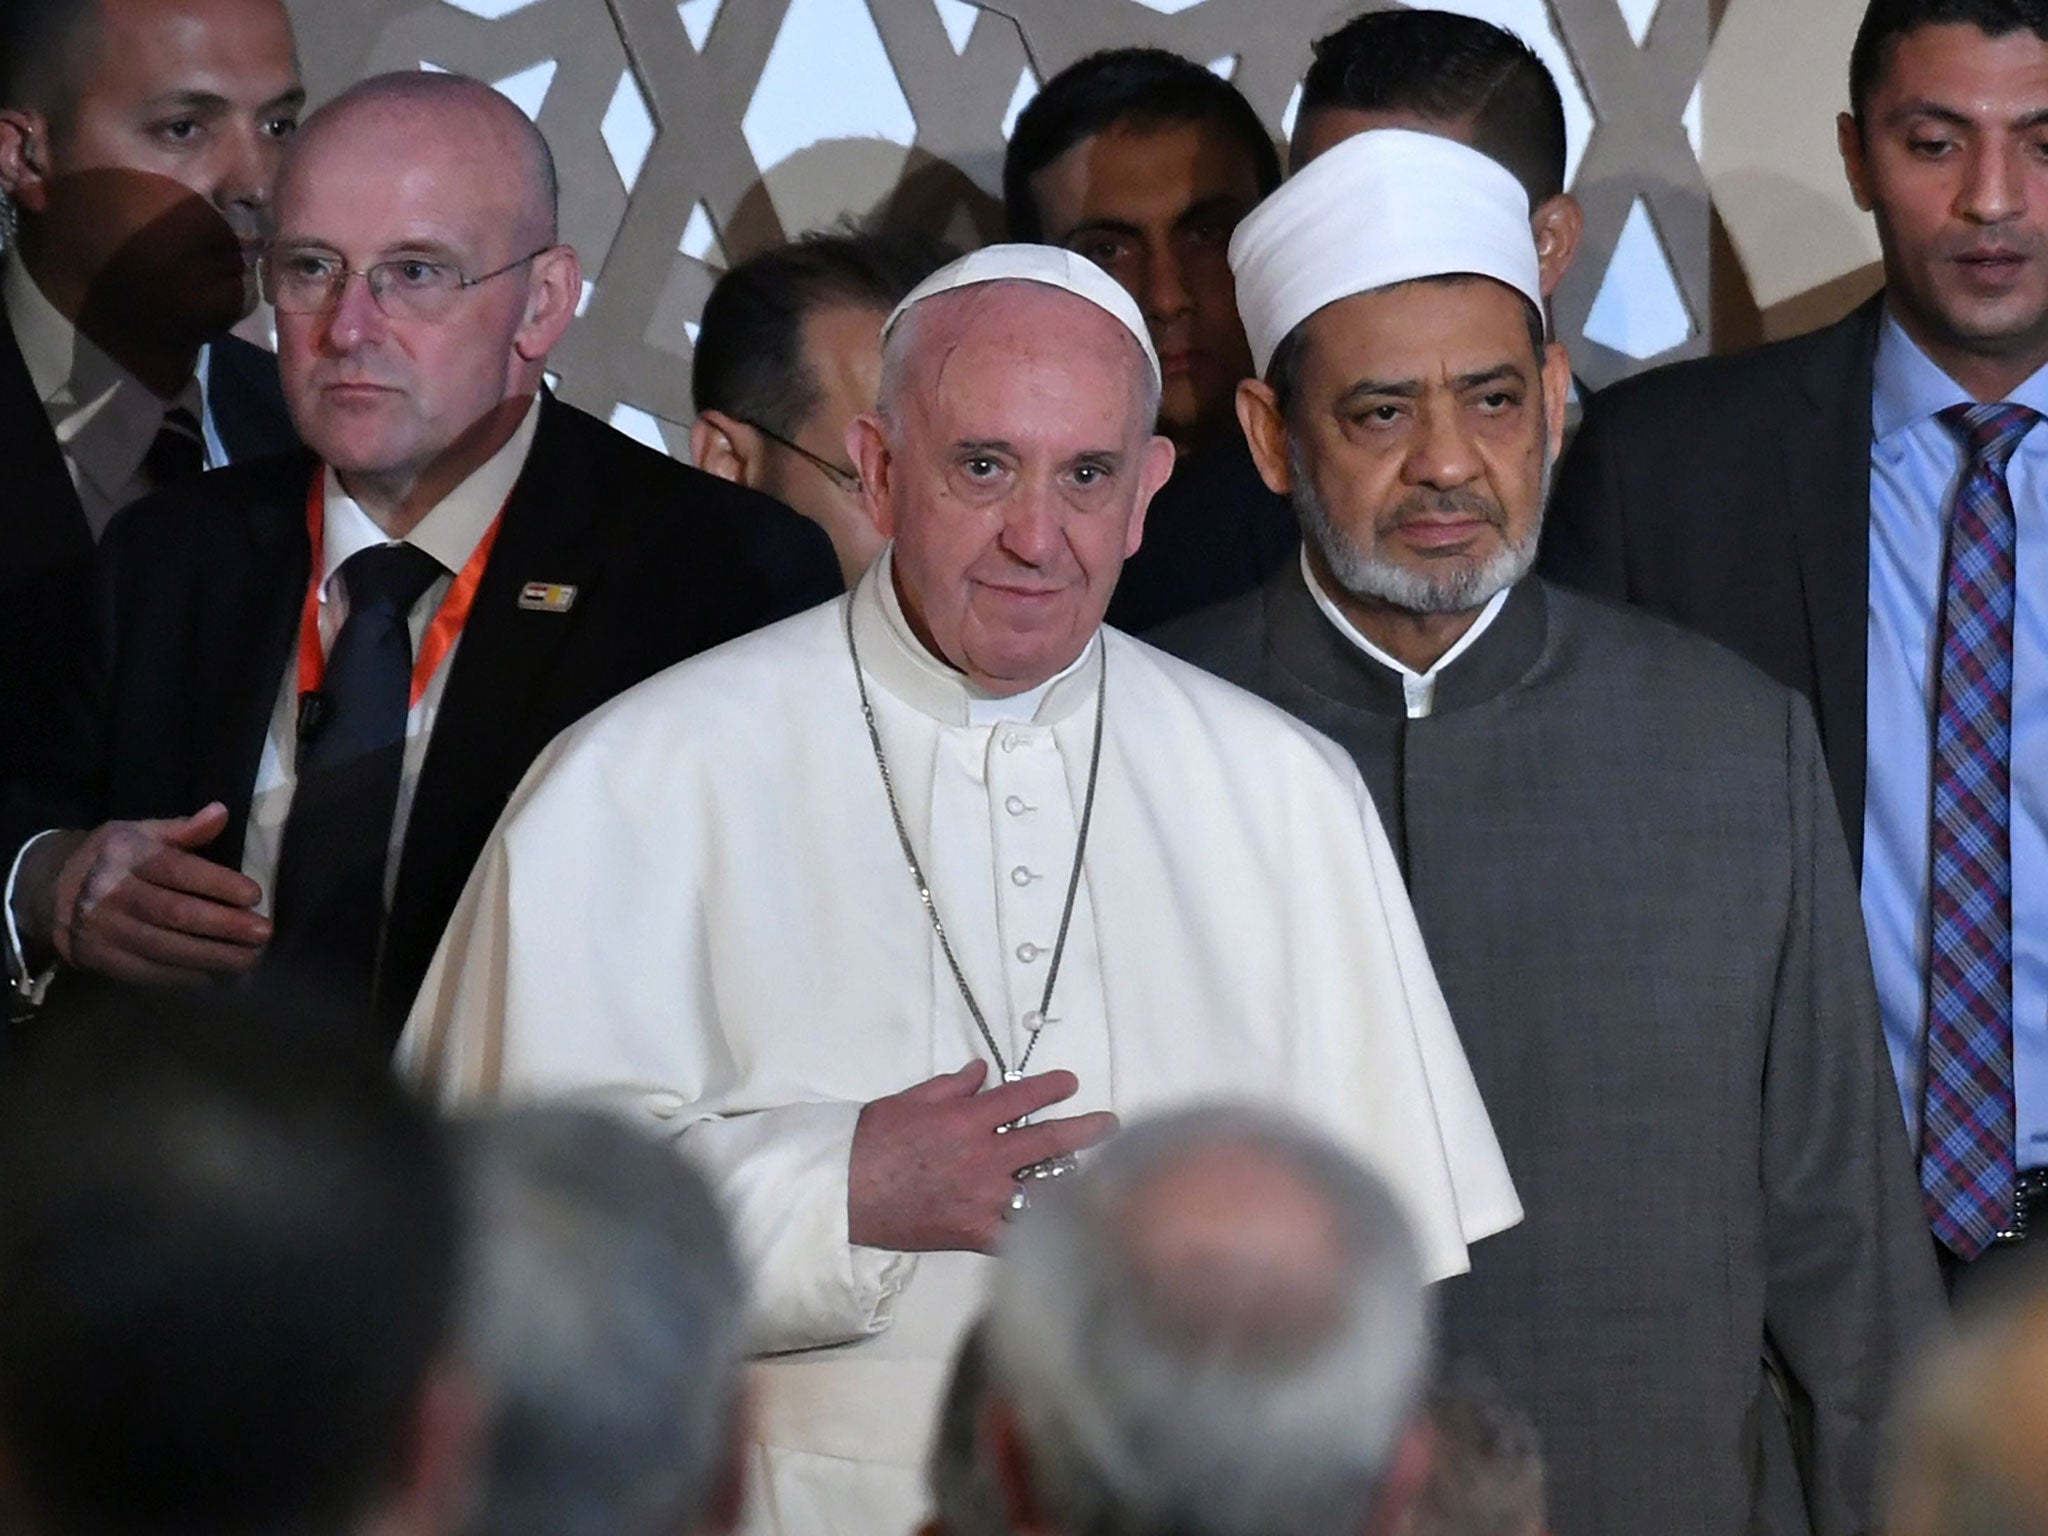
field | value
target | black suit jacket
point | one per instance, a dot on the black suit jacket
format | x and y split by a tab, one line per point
1732	495
45	560
1212	532
198	599
46	548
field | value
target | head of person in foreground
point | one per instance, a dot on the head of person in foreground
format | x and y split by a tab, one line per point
600	1322
1972	1422
1221	1329
227	1253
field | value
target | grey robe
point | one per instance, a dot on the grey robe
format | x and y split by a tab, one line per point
1624	855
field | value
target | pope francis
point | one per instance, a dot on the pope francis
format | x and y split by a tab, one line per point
775	897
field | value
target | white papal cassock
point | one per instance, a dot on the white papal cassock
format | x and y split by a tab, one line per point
696	906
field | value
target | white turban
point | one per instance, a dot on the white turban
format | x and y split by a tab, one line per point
1377	209
1047	264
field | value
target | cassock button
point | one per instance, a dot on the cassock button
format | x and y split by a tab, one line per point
1011	742
1021	876
1028	952
1016	807
1034	1023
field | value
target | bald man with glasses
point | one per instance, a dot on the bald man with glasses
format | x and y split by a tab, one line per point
321	676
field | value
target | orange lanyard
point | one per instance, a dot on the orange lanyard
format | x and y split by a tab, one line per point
441	635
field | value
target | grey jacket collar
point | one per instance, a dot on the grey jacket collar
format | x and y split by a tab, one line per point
1309	646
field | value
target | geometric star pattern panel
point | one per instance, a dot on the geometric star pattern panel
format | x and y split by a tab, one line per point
691	134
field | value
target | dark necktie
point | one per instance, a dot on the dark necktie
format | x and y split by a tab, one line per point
329	906
178	452
1967	1165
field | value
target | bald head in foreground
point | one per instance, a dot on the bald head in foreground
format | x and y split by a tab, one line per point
1221	1331
1624	857
841	903
329	670
1971	1423
227	1258
599	1323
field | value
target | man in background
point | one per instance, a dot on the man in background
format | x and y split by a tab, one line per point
1460	78
1863	513
1486	1475
324	673
789	351
227	1254
600	1326
1221	1327
1143	162
1623	857
138	143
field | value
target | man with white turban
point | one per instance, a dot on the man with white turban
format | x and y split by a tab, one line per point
1624	858
776	899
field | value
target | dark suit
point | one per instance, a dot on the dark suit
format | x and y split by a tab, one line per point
45	559
199	594
46	549
1732	494
1213	531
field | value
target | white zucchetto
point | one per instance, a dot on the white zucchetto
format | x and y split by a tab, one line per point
1379	208
1047	264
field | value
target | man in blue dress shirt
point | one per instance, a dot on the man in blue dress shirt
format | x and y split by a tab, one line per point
1864	513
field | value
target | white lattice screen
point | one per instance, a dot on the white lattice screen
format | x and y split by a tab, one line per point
690	133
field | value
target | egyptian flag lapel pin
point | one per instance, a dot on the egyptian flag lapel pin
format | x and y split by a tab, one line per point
547	597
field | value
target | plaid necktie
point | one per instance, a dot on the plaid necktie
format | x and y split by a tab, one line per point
1966	1131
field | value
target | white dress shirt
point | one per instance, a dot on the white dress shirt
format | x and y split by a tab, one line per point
450	533
104	417
1418	688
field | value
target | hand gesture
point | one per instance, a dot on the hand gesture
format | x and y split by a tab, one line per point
929	1170
134	900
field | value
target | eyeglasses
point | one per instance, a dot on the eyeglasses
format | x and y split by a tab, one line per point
848	480
307	281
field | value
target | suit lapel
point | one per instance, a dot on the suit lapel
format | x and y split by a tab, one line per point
1827	476
504	663
45	524
249	626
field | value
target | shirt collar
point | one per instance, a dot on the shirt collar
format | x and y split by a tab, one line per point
891	653
451	531
104	417
1419	688
1910	388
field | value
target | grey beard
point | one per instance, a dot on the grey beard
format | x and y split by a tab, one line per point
1364	574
